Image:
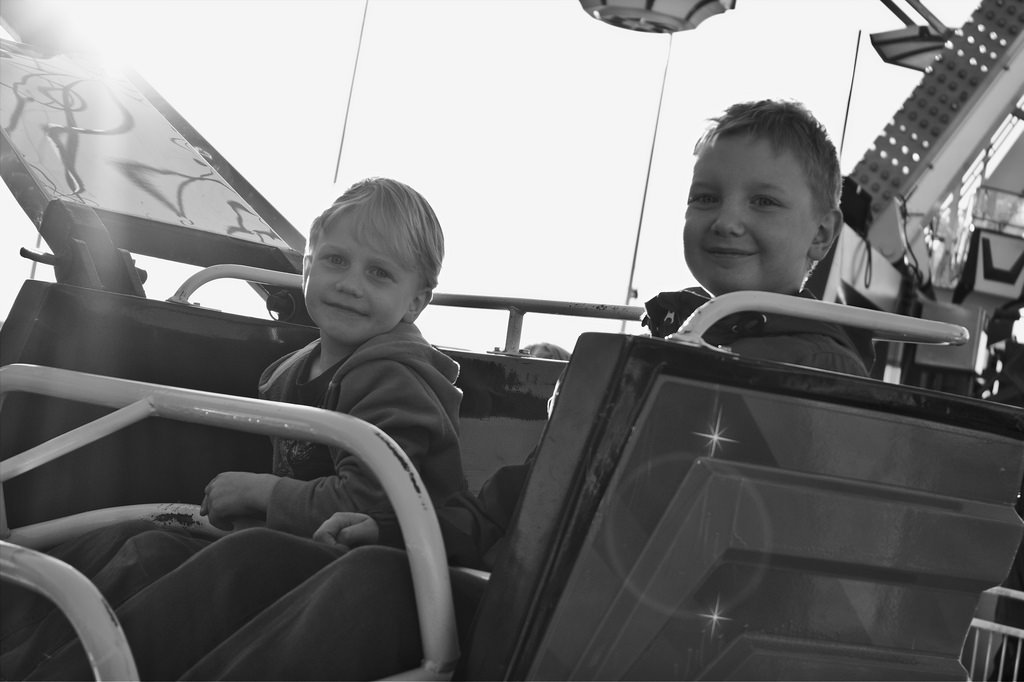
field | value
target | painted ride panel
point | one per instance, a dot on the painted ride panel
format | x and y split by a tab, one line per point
100	142
693	515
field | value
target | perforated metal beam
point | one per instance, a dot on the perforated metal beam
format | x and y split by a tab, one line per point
973	85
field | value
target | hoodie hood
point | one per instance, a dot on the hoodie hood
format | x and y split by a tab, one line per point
404	344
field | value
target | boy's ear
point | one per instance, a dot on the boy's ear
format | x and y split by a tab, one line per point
417	304
825	235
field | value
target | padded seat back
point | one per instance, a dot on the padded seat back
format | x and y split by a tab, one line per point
694	515
131	338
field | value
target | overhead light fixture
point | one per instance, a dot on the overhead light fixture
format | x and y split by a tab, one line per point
655	16
913	46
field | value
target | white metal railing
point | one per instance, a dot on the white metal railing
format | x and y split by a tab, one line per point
884	326
233	271
993	650
95	623
46	534
135	400
517	307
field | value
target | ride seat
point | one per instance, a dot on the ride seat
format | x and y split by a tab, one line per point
697	515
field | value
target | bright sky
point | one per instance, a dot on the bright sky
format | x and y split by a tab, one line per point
527	124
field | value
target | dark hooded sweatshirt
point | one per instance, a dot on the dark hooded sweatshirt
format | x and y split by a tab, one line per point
395	381
779	338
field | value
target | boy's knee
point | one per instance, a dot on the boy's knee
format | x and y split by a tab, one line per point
98	545
126	530
263	549
256	535
249	542
376	564
159	550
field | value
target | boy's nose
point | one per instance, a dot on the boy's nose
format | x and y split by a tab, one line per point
349	283
729	220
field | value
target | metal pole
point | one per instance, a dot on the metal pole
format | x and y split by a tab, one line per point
351	88
630	295
849	96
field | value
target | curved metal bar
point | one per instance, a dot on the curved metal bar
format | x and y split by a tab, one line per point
89	613
233	271
49	533
886	326
74	439
375	448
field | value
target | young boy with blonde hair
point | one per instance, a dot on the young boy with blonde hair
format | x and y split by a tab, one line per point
370	267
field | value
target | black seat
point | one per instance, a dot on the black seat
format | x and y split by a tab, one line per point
131	338
694	515
125	336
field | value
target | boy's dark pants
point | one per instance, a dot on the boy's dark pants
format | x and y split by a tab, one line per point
120	560
247	607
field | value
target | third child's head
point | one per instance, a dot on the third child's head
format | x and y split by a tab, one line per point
763	205
372	261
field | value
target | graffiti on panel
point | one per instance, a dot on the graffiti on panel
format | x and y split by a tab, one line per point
85	133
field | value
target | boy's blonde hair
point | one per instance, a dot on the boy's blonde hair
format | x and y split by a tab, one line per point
392	217
787	126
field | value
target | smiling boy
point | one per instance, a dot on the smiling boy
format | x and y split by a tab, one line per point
371	264
762	210
370	268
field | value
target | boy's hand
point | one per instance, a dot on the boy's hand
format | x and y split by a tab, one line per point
233	495
349	529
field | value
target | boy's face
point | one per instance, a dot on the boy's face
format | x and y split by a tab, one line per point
354	291
751	221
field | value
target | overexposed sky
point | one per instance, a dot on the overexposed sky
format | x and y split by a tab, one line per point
527	124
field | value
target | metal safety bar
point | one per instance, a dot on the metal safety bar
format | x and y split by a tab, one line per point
136	400
46	534
109	655
884	326
517	307
233	271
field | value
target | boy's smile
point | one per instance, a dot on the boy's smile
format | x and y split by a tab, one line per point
355	290
751	222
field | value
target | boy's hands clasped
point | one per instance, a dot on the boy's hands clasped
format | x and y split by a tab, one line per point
236	499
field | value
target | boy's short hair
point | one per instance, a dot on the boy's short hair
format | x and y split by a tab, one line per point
393	217
787	126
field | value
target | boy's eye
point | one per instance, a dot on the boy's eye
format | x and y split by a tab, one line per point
700	199
335	259
764	202
380	273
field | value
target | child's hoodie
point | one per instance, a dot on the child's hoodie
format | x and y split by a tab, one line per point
399	383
